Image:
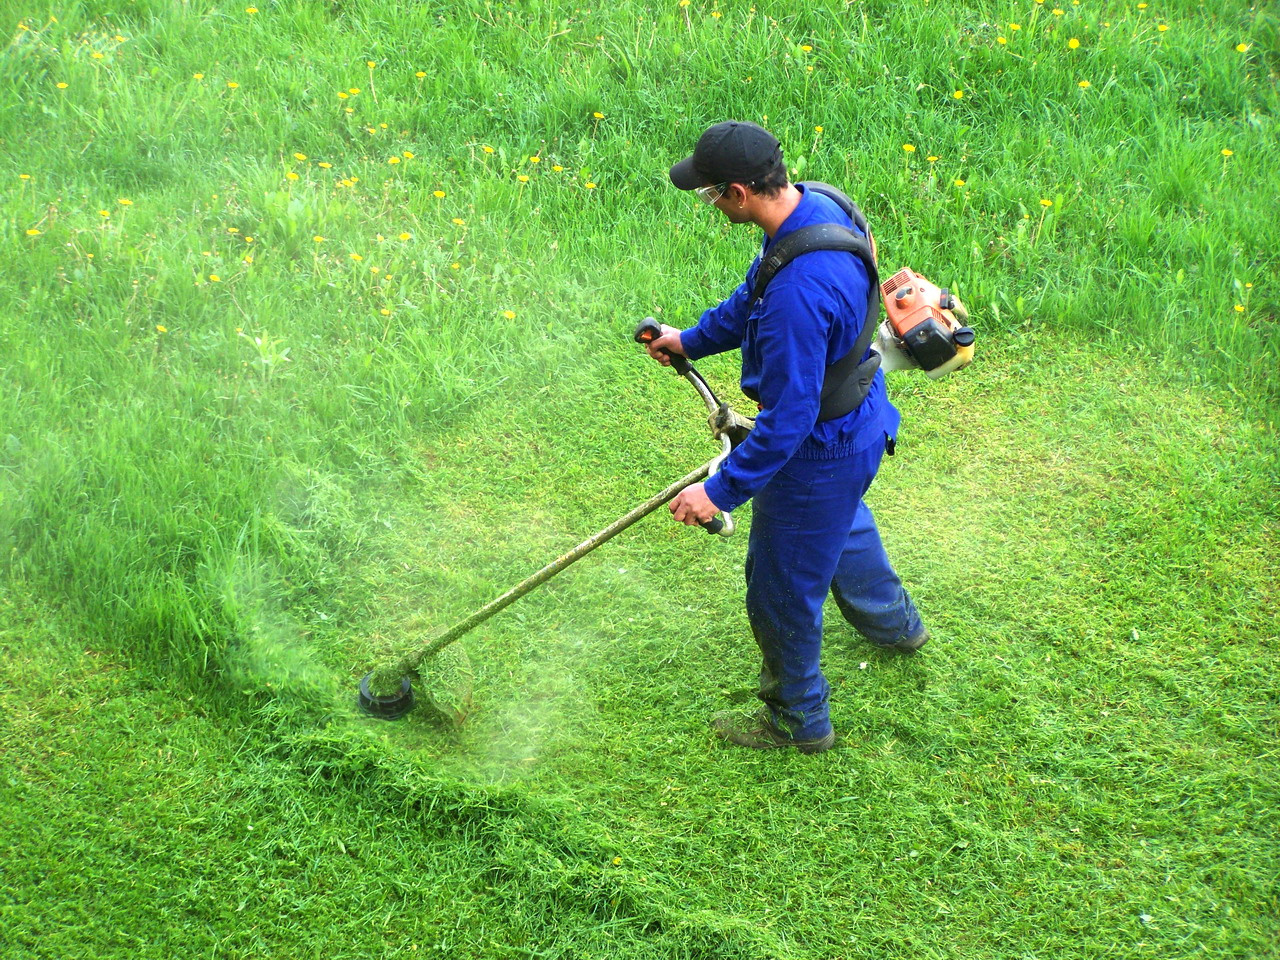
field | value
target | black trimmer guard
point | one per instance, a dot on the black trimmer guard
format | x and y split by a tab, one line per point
386	708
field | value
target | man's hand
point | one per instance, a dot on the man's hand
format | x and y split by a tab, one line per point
666	344
692	506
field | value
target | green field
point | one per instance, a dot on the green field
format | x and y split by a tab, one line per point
315	335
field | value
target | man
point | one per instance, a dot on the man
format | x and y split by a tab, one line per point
810	531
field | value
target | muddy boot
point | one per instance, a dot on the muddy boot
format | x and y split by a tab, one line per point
758	732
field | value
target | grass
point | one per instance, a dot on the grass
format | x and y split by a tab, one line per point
223	500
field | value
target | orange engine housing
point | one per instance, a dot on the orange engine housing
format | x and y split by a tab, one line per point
923	317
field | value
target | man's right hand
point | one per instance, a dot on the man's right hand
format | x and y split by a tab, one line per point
669	343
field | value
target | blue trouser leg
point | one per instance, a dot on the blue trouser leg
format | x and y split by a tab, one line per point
809	526
868	591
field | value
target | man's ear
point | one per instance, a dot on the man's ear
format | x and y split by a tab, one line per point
737	194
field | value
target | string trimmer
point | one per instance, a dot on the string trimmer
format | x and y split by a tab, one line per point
388	690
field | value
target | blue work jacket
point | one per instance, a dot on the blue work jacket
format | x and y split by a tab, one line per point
810	317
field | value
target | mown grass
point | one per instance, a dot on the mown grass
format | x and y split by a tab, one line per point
222	500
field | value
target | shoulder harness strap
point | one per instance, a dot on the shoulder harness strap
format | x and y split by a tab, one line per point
847	381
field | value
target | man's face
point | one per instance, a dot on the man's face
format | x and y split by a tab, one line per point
733	203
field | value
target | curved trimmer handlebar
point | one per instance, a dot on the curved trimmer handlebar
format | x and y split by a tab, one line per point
649	330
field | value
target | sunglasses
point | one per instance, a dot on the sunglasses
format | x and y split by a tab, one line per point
711	192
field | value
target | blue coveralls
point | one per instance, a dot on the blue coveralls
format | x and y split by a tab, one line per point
811	531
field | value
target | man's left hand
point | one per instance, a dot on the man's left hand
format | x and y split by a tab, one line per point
692	506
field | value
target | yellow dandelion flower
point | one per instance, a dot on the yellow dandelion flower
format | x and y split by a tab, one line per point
557	168
248	259
407	155
1242	47
958	182
806	48
522	178
684	3
1163	27
379	237
197	76
104	213
1073	44
393	160
345	182
959	95
598	115
1014	26
383	126
61	85
1228	153
342	95
1084	84
349	110
1142	6
356	257
908	148
1239	308
318	239
385	312
324	165
509	314
24	176
231	84
1001	40
299	156
817	129
387	277
250	9
535	159
33	232
354	91
1058	12
438	194
589	185
161	328
248	239
420	74
1046	203
214	278
455	266
370	64
458	221
291	175
406	236
717	14
487	149
125	203
932	159
233	229
96	55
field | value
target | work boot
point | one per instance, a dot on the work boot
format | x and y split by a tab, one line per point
908	644
758	732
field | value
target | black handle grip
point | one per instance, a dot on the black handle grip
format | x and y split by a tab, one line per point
714	525
649	330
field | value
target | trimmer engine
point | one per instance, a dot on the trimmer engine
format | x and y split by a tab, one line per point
924	318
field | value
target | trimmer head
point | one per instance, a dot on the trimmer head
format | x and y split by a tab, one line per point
386	708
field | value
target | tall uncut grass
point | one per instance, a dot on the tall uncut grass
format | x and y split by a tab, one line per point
315	323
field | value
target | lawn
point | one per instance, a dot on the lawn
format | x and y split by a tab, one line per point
316	337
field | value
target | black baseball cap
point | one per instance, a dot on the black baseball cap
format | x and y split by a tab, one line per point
735	151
